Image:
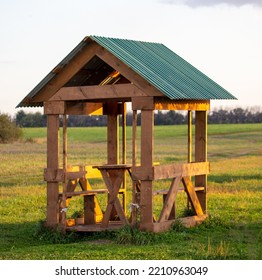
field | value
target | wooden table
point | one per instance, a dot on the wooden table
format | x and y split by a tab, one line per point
113	176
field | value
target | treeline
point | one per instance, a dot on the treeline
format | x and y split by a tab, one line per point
219	116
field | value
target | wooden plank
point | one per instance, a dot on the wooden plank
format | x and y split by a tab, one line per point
189	189
87	192
128	73
52	218
187	105
201	153
67	72
170	199
174	170
98	92
163	192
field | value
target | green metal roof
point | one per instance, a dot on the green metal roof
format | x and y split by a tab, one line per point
157	64
161	67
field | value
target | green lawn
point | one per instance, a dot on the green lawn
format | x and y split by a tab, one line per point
233	230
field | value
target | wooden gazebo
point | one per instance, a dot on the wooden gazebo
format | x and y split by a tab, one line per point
99	77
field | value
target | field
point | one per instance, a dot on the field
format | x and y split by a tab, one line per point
232	231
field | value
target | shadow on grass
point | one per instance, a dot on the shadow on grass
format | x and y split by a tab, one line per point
213	239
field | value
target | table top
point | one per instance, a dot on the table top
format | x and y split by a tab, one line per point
112	166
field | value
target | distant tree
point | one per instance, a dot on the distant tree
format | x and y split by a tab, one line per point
9	132
30	119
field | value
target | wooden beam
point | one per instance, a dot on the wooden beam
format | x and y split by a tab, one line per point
170	199
64	74
143	103
84	108
128	73
174	170
54	108
52	218
116	91
187	105
191	193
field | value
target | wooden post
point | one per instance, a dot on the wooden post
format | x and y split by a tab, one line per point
189	137
134	195
112	142
53	164
124	152
147	147
64	204
189	143
112	134
201	154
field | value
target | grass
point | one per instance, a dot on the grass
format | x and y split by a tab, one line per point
232	231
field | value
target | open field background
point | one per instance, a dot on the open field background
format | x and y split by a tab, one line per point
233	231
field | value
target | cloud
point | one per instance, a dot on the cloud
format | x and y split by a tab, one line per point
194	3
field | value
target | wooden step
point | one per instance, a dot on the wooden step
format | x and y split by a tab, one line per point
89	192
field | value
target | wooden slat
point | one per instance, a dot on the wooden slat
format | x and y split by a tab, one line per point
170	199
174	170
75	175
189	189
87	192
162	192
116	91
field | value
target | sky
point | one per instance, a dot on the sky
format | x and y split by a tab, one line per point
221	38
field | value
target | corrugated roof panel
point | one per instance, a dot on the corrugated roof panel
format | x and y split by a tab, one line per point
164	69
157	64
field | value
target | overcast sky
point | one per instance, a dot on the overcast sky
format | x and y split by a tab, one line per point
221	38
